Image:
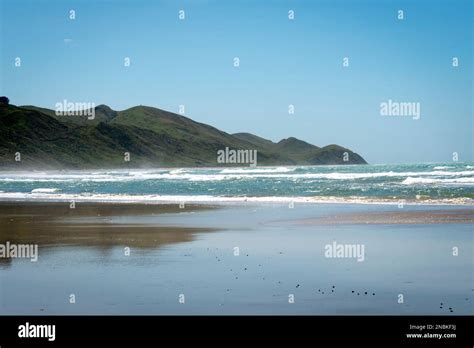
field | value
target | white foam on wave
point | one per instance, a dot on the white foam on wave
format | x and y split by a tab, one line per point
177	171
44	190
219	176
259	170
457	181
442	167
206	199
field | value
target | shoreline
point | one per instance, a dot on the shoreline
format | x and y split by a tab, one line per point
223	200
99	213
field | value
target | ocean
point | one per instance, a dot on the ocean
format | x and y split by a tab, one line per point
448	183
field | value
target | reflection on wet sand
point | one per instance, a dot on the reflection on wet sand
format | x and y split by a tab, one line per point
55	224
394	217
281	251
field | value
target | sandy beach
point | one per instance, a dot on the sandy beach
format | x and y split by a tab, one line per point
192	251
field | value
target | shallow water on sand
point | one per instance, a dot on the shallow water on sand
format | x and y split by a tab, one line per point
192	253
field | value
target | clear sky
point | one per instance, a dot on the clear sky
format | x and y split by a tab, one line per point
282	62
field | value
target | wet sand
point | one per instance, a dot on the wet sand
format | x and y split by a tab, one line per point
89	224
191	251
451	216
103	224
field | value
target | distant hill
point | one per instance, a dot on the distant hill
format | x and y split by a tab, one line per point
153	137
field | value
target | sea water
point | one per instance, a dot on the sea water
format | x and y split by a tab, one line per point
451	183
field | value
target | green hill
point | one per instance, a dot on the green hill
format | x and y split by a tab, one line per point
153	137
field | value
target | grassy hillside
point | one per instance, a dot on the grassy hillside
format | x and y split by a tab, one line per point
153	137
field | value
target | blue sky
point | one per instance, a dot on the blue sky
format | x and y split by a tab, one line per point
282	62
